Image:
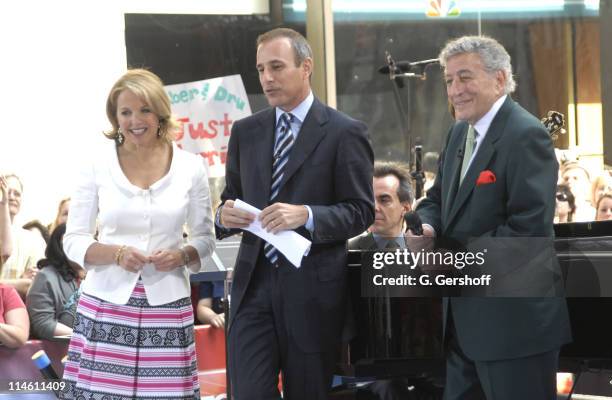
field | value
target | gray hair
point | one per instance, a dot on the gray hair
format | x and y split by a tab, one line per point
493	55
301	48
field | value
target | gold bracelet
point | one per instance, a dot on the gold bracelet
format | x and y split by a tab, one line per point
119	254
185	256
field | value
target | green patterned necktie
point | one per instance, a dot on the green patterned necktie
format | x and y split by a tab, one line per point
470	144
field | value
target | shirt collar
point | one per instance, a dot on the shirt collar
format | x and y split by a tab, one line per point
483	124
381	241
300	111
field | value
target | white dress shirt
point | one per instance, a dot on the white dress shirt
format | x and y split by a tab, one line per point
147	219
299	113
483	124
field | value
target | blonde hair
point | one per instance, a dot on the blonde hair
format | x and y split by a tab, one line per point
57	216
600	180
150	89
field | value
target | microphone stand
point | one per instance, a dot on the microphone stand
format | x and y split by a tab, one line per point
418	70
418	174
398	83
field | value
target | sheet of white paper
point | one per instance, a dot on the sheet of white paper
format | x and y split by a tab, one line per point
292	245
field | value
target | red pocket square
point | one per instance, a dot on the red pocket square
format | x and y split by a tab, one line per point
486	177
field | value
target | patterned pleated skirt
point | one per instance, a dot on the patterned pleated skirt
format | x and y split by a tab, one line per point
132	351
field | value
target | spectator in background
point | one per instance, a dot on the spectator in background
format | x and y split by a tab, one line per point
601	184
52	299
37	227
579	182
14	322
210	306
62	214
604	207
20	268
6	243
566	206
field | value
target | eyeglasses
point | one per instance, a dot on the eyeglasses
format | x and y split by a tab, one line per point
561	196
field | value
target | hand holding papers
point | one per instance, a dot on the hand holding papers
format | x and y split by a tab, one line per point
290	244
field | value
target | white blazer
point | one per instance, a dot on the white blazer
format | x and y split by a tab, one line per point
148	220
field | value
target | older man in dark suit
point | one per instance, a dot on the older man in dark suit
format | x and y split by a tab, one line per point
309	168
497	179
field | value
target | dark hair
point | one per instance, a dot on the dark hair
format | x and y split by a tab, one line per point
44	232
55	256
400	171
301	47
564	191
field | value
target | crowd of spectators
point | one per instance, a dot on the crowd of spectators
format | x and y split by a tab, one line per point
583	194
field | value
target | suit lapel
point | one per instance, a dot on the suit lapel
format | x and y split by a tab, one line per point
310	135
369	243
261	156
481	159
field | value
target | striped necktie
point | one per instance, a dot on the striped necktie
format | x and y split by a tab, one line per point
282	149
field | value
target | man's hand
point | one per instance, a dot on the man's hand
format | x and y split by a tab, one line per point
233	217
421	242
282	216
428	231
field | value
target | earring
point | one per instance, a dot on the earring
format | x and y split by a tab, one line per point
119	138
159	133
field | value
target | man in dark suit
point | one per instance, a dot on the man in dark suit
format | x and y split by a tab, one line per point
309	168
497	179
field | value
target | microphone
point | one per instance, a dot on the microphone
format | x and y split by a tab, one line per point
460	153
42	362
413	222
406	66
400	67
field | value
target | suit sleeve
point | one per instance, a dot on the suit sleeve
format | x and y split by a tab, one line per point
532	176
353	211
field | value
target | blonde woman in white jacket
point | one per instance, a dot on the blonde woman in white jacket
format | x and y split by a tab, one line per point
133	334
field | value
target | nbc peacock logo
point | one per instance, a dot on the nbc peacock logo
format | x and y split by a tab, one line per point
443	8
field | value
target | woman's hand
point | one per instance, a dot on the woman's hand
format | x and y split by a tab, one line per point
167	260
132	260
218	321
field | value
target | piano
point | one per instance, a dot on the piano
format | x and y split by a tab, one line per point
402	336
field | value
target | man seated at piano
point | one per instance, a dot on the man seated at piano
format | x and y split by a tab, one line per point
393	199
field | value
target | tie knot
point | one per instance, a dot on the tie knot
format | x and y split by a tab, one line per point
473	132
287	118
392	244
